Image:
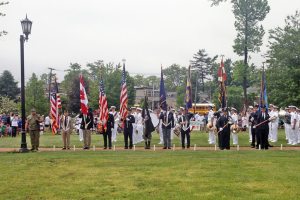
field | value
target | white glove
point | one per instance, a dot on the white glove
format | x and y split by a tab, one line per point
254	126
251	119
127	119
112	129
221	129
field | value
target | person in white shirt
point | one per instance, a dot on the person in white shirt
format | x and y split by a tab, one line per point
116	123
294	121
298	125
14	125
139	125
134	126
210	120
274	119
234	117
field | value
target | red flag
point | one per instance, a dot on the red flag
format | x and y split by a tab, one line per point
222	77
103	108
83	98
123	96
58	101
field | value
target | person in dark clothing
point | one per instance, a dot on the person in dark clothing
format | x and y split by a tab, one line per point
184	121
262	127
128	129
167	119
223	127
253	120
107	133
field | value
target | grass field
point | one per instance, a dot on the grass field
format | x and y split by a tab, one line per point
198	138
147	174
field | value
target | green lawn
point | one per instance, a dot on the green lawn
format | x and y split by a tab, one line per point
198	138
150	175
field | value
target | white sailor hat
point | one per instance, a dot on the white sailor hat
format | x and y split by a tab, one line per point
140	109
181	108
276	107
271	105
251	107
150	110
173	109
292	107
133	108
113	107
232	108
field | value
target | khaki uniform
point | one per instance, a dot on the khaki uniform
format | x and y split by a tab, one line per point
34	130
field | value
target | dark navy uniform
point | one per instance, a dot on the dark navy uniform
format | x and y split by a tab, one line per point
128	129
185	129
107	134
223	128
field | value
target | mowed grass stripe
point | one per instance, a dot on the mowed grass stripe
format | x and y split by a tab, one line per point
151	175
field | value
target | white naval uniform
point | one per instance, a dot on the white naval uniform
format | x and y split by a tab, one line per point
235	137
134	130
249	127
298	128
273	127
211	134
161	137
115	130
139	127
293	132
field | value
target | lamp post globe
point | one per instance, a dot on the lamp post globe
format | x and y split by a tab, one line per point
26	28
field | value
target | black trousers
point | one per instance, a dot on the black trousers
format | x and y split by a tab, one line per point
253	135
185	134
258	138
14	131
225	140
263	134
128	134
107	135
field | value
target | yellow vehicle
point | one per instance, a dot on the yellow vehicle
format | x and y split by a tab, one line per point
202	108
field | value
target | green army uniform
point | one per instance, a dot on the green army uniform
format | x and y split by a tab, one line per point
34	130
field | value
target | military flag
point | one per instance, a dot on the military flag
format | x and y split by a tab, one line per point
162	93
188	91
123	95
55	105
83	98
263	100
148	127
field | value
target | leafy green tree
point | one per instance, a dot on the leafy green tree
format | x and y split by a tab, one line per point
7	105
174	76
283	73
2	3
35	96
8	85
248	15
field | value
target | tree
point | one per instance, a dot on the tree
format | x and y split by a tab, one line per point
8	85
2	15
35	96
7	105
203	65
283	73
248	14
174	76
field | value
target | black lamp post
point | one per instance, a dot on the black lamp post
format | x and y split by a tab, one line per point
26	27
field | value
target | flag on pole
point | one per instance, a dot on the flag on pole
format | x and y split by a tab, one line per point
222	77
188	91
123	95
263	100
162	93
54	112
57	94
149	128
83	97
103	108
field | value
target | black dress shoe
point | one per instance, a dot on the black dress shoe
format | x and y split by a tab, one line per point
169	148
109	148
165	148
125	147
63	148
105	148
252	146
271	145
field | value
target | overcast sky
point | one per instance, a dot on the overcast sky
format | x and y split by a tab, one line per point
147	33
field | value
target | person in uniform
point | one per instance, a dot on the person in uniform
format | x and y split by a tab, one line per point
287	125
249	112
128	129
223	127
107	134
167	119
32	125
210	117
262	127
253	121
294	122
87	124
116	123
234	117
160	131
184	121
274	119
139	125
66	127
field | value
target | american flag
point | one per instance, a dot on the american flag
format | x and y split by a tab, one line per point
58	100
123	96
103	108
54	113
222	77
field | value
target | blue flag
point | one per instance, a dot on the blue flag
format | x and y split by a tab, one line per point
162	93
263	100
188	91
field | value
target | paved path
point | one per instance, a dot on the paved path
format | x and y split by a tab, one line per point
152	149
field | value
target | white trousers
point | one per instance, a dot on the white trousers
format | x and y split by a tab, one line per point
273	133
80	135
287	128
114	133
293	136
211	137
250	134
235	139
161	137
